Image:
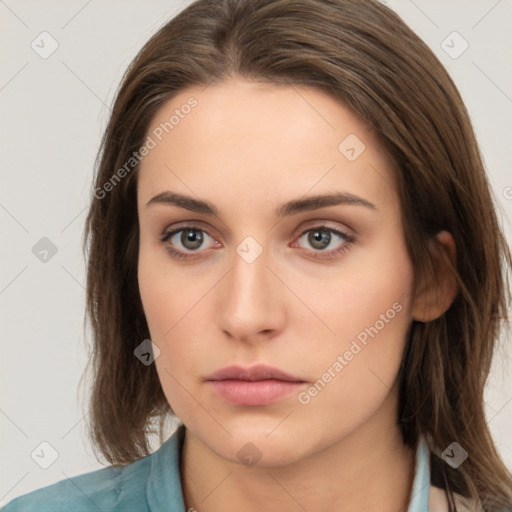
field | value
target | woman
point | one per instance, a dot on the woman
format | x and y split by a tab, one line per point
293	249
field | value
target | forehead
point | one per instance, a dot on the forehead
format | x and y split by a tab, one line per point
262	141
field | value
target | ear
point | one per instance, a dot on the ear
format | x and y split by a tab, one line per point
434	298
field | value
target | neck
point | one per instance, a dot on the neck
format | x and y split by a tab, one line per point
370	469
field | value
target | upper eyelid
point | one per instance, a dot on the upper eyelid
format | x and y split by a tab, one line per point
310	224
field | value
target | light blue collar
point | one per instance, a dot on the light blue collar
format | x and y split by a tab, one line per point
163	490
421	483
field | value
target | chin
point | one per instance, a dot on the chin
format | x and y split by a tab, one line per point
254	446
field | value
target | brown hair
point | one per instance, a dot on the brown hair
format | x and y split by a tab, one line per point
361	53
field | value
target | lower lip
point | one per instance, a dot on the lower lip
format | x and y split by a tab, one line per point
259	392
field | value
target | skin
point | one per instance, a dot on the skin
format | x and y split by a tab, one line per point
248	148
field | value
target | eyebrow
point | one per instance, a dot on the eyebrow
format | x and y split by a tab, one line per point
289	208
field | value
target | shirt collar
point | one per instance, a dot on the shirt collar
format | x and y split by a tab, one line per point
164	491
421	483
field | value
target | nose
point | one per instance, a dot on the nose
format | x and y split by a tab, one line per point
250	300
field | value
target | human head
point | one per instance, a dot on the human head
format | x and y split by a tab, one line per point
363	55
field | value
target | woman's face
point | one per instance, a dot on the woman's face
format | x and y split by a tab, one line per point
319	290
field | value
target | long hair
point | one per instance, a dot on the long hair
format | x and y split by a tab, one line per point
362	54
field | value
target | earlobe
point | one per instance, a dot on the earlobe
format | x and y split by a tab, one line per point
436	296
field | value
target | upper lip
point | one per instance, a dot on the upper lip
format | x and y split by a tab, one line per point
253	373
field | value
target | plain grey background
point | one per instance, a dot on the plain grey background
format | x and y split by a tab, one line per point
54	108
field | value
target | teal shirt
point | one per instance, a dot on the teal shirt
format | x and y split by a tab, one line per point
153	484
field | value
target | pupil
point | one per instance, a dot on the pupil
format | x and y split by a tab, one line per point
320	238
193	237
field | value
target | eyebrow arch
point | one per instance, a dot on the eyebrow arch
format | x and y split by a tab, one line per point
289	208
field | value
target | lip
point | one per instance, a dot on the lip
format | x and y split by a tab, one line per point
253	386
252	373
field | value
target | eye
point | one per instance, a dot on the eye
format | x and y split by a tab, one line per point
191	239
327	241
187	241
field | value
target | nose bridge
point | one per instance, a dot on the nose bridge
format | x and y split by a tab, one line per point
249	300
249	277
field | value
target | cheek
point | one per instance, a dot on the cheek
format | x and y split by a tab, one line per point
168	307
156	299
370	315
166	292
173	303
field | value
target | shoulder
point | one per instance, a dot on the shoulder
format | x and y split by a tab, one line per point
109	489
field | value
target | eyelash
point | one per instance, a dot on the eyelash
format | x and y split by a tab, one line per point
348	239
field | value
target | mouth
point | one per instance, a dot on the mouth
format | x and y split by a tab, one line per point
253	386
